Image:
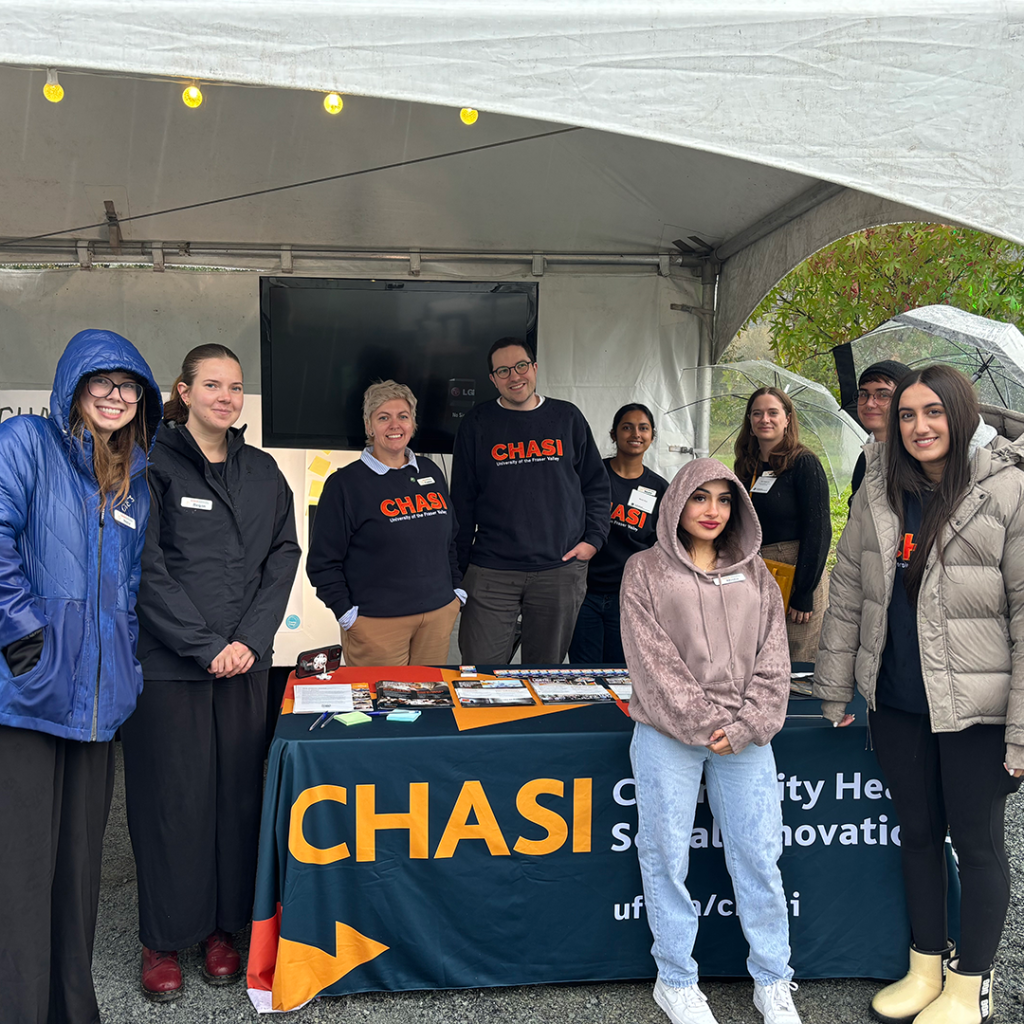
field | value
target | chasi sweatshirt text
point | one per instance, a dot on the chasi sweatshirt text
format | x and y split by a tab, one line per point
527	486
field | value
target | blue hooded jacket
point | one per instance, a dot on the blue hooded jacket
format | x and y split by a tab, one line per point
67	565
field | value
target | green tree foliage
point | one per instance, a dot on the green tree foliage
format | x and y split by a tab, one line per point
850	287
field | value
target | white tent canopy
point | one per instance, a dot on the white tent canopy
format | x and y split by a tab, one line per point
719	122
752	132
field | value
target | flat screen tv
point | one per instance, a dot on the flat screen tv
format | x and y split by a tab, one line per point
323	341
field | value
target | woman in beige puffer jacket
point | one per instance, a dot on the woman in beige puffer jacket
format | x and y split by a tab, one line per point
927	616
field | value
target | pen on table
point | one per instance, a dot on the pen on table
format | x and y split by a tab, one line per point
322	720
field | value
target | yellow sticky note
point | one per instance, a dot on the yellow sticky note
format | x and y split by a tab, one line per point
316	488
320	466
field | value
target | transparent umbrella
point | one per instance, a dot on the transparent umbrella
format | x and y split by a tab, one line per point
989	352
724	389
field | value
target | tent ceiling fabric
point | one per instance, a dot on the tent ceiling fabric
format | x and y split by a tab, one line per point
919	103
134	142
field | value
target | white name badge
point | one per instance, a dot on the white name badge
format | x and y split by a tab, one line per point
764	483
423	481
643	498
120	517
736	577
201	503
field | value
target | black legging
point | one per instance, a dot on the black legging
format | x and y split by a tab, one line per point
953	779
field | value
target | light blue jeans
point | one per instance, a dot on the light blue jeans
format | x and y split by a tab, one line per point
743	793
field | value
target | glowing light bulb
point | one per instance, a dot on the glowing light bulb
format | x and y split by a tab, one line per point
53	90
333	103
469	115
192	96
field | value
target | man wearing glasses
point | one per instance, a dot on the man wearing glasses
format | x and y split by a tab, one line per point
531	496
874	393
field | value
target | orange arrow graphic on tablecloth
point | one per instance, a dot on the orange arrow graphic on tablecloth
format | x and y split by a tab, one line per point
303	971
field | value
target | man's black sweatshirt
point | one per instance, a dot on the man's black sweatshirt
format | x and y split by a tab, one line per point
527	486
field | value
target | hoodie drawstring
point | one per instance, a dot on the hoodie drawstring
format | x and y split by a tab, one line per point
704	621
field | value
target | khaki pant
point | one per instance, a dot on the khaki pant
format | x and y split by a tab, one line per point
402	640
803	636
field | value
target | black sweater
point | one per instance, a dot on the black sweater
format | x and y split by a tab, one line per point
384	542
797	508
900	680
527	486
219	559
632	528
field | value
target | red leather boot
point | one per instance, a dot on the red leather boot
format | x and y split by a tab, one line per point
161	975
221	963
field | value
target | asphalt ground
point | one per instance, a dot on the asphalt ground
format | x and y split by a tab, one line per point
116	973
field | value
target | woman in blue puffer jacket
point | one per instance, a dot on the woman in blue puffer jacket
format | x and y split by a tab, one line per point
73	509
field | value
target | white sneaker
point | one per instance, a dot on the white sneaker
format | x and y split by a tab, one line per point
683	1005
775	1002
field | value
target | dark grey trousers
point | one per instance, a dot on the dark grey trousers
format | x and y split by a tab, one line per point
548	602
54	800
193	772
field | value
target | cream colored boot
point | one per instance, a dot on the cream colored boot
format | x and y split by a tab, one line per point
903	1000
966	999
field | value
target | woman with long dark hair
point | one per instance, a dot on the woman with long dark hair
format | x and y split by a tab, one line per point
927	618
704	632
636	493
217	569
73	511
789	490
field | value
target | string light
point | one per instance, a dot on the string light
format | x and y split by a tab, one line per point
333	103
469	115
192	96
53	90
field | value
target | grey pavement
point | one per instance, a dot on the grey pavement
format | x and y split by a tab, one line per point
116	971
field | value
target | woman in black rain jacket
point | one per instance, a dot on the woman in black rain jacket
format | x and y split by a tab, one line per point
217	568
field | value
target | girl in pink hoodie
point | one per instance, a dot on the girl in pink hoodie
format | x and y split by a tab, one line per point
704	632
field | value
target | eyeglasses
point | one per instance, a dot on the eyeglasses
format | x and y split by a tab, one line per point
521	367
101	387
881	397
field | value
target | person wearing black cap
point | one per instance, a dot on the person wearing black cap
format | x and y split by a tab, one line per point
874	393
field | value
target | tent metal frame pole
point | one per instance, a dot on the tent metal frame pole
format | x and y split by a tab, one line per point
705	359
221	255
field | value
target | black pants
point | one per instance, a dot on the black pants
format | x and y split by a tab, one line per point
54	800
955	780
193	768
597	638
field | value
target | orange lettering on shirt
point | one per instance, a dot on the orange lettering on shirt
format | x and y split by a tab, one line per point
532	449
516	450
421	503
498	453
405	505
619	513
387	506
547	446
908	546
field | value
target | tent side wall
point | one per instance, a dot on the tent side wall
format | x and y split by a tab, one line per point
747	277
604	339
